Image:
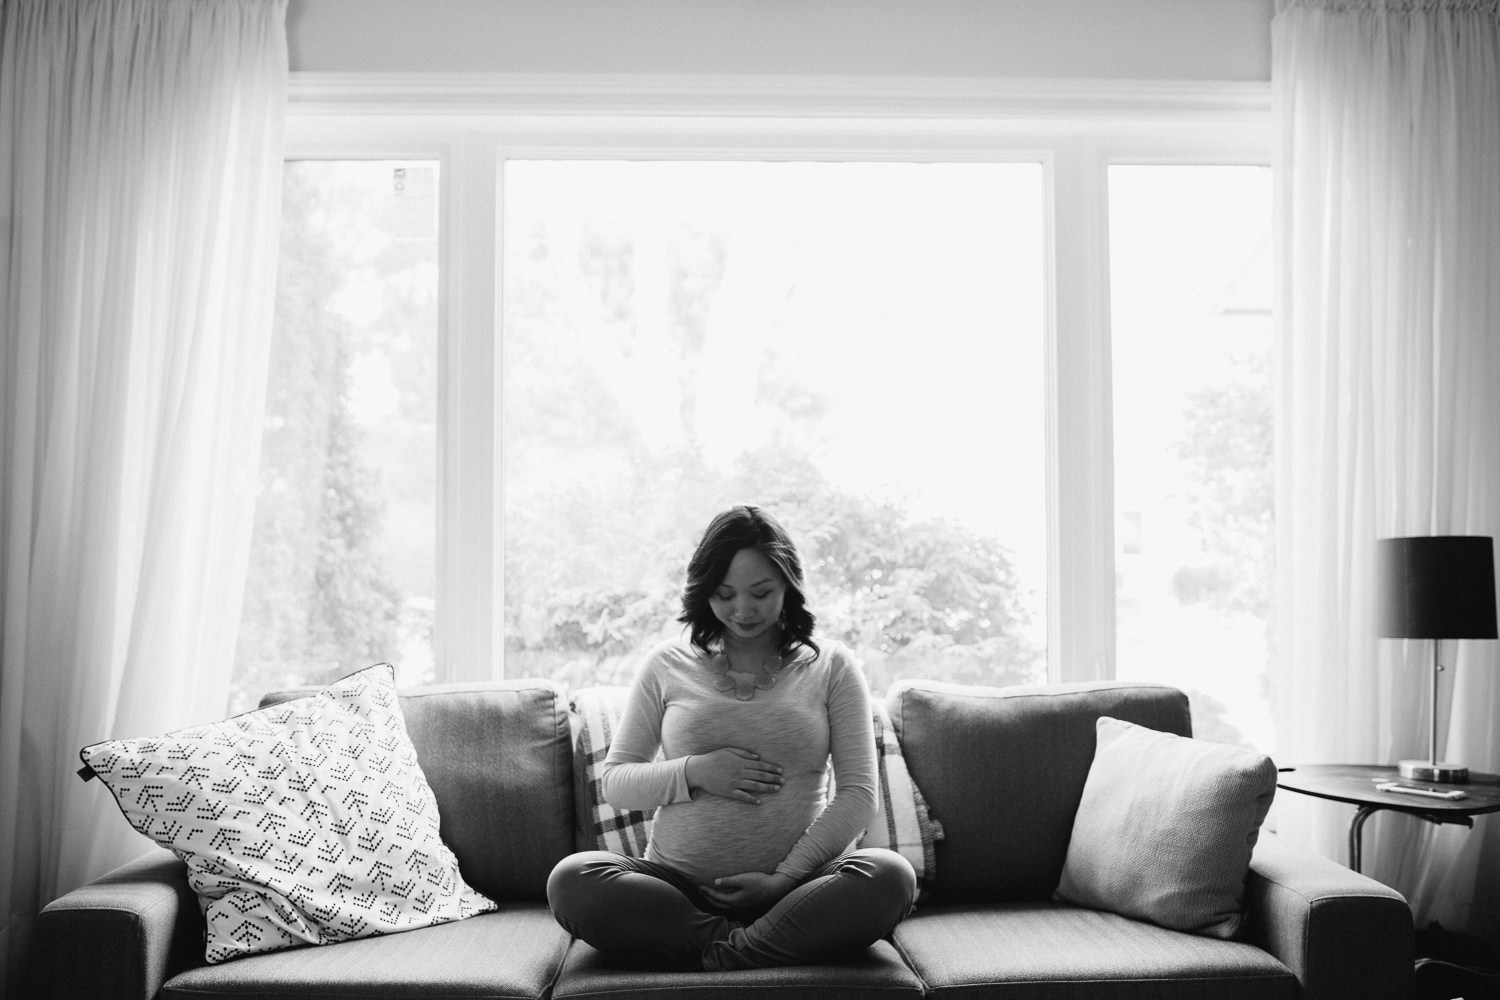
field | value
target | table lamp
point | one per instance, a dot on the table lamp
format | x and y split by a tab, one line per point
1436	587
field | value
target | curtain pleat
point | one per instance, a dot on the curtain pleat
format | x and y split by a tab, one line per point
140	166
1388	223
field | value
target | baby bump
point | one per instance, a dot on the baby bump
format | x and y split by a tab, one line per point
712	836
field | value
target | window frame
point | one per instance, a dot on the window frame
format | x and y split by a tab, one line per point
472	125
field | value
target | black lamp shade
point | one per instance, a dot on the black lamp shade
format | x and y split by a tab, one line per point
1436	587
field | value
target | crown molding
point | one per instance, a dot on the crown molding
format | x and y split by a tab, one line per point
730	96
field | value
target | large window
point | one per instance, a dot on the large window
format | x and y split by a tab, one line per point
856	347
1190	291
1007	387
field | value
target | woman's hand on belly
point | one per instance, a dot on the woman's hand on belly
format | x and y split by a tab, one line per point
733	773
749	890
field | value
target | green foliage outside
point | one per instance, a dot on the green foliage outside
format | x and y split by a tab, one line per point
319	600
1228	442
913	598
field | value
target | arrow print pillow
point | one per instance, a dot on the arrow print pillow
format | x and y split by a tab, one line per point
308	822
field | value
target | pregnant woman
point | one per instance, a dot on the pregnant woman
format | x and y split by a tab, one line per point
750	862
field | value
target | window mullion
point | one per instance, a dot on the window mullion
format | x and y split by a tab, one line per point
1080	572
470	581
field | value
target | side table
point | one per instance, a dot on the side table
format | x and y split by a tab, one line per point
1355	784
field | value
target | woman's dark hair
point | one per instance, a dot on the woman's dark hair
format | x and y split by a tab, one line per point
744	527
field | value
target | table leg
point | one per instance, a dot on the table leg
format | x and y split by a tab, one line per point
1357	825
1356	834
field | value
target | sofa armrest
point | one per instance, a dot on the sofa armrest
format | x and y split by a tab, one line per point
120	936
1344	936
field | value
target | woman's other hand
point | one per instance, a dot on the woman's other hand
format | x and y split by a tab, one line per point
733	773
748	891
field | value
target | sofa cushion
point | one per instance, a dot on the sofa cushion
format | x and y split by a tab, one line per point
1048	949
514	952
879	972
303	823
498	759
1004	769
1165	829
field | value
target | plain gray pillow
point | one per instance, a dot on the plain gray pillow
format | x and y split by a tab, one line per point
1165	829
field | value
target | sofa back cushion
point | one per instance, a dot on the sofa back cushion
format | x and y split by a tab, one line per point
1003	770
498	759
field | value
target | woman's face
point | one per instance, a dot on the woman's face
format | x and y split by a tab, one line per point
748	600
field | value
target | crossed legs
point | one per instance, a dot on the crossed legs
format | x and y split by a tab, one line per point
640	909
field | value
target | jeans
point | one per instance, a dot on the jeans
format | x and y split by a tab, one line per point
645	911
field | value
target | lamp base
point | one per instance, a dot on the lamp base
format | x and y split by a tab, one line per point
1426	770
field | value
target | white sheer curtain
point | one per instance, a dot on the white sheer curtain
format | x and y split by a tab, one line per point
140	165
1388	163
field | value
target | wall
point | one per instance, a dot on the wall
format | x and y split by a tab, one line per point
1026	39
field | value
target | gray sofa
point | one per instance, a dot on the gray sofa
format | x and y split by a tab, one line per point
1003	770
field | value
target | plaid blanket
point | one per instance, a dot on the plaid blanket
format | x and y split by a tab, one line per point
622	831
902	824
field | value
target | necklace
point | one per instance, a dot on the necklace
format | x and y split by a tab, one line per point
745	685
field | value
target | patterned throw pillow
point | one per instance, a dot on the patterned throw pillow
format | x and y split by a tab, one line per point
307	822
902	825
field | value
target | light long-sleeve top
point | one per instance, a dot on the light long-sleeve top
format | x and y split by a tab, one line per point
819	707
